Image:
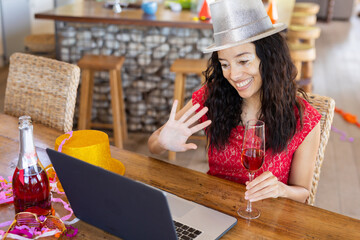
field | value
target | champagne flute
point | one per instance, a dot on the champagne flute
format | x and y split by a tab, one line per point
252	158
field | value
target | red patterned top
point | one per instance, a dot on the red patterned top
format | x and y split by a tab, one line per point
226	163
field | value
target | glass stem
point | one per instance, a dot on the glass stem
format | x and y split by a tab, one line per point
248	207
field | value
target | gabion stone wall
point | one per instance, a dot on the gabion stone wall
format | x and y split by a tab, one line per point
147	81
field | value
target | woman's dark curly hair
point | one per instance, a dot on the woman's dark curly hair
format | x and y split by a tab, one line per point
278	96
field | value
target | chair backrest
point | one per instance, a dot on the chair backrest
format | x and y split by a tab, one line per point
325	106
43	88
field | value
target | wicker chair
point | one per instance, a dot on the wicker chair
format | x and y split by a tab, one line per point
325	106
42	88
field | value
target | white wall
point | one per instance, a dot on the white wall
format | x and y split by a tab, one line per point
15	25
40	25
36	6
18	26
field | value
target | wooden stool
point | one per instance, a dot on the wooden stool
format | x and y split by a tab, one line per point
303	56
89	64
183	67
305	34
307	7
40	44
303	18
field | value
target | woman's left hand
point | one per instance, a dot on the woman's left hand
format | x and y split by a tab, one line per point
264	186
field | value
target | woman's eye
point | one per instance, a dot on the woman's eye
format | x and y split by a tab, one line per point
224	65
244	62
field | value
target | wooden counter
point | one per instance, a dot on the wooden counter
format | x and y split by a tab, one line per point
95	12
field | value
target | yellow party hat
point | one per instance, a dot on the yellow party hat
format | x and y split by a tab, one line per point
91	146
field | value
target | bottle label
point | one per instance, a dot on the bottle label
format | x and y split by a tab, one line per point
30	155
21	176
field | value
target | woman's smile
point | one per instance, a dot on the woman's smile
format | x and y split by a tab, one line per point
243	84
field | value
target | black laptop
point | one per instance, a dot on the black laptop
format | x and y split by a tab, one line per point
130	209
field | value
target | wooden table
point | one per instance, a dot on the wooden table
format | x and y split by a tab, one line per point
280	218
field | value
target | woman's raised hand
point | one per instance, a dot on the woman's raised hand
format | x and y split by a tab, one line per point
175	133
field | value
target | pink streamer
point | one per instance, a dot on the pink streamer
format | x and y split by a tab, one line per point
56	189
31	232
66	206
8	200
22	232
6	190
59	192
75	231
64	141
6	197
53	185
343	134
5	224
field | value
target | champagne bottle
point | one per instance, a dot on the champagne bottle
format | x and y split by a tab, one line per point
31	188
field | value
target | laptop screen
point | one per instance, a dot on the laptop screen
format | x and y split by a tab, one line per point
116	204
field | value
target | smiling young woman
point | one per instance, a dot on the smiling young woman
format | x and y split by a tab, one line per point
250	75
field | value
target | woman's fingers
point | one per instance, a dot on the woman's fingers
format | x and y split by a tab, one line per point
200	126
261	185
173	110
183	147
175	133
189	112
189	146
260	179
251	194
270	193
264	186
196	117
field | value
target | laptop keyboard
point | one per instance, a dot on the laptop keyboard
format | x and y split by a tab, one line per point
185	232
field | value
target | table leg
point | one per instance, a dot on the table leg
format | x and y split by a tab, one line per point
330	10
